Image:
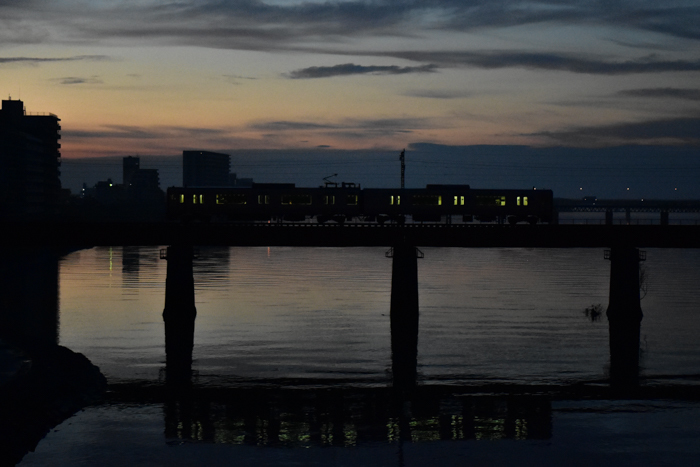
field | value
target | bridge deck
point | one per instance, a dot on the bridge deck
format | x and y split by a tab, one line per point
351	235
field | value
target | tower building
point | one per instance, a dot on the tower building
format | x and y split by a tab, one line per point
30	158
130	167
204	168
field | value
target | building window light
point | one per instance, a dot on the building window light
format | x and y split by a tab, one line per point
231	198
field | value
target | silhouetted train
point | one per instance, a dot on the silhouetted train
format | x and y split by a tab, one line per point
286	202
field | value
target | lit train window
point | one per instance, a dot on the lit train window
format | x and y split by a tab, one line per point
197	199
329	199
459	200
427	200
524	201
352	200
231	198
182	199
395	200
490	201
263	199
296	200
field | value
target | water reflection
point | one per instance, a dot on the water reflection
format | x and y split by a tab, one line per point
301	415
304	414
491	331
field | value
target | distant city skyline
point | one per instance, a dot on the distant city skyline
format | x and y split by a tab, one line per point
153	77
620	172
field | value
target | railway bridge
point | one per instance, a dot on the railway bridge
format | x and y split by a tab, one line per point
591	204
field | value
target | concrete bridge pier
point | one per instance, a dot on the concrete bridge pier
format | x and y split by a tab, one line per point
624	315
179	313
404	314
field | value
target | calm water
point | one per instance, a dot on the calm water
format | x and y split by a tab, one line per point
292	360
513	315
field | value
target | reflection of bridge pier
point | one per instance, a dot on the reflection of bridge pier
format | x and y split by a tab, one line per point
624	315
179	313
404	314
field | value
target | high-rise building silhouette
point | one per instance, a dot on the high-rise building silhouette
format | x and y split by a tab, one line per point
137	181
144	181
204	168
30	158
130	167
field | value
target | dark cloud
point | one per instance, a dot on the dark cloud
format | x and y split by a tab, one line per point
348	128
575	63
380	124
144	133
352	69
673	18
78	80
681	21
395	124
291	126
438	94
234	79
38	60
258	25
663	93
662	131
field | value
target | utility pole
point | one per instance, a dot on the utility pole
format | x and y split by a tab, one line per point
402	158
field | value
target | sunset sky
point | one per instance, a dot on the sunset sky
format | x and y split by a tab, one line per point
157	77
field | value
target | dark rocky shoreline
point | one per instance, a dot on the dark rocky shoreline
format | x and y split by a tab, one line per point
39	392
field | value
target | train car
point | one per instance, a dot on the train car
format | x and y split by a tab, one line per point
437	203
513	206
284	202
264	202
